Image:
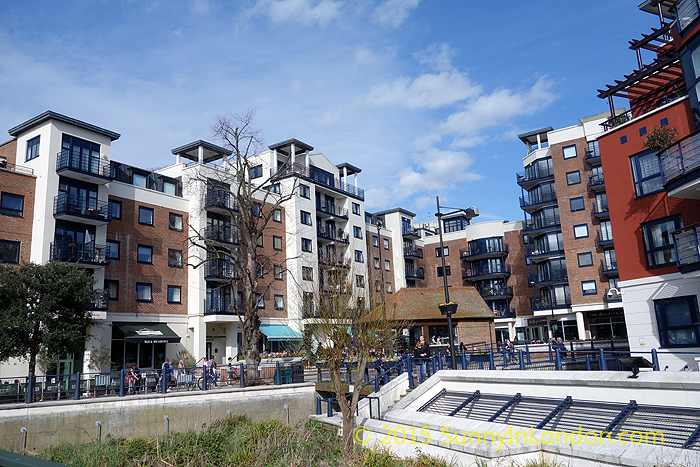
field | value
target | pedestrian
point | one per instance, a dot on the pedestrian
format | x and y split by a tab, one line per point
212	371
422	355
230	371
561	347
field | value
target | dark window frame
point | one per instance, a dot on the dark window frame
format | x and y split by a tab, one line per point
563	151
32	148
153	215
119	247
375	241
574	182
175	262
150	289
649	251
639	181
584	255
357	232
112	204
138	260
307	245
108	290
275	240
593	292
11	211
306	218
588	233
662	322
276	306
171	225
359	256
256	172
277	215
571	204
307	273
11	243
173	287
356	209
448	270
304	191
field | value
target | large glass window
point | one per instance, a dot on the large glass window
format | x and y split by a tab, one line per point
113	249
356	232
144	254
33	148
143	292
12	205
175	221
305	218
145	216
306	245
307	273
174	294
138	179
606	233
581	231
573	178
589	288
112	288
256	172
9	252
541	168
658	241
115	207
169	188
585	259
577	204
677	319
175	258
646	172
569	152
80	155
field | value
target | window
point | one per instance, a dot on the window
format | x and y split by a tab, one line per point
277	243
677	320
278	272
169	188
658	241
577	204
260	299
138	179
388	287
277	215
357	232
360	281
256	172
306	218
569	152
448	272
589	288
377	286
606	233
143	292
646	173
356	209
573	178
175	258
174	294
306	245
145	216
386	243
359	256
12	205
387	265
33	148
446	251
112	289
375	241
260	241
274	188
279	302
304	191
113	249
260	270
115	207
9	252
585	259
144	254
307	273
454	225
377	264
175	221
308	303
257	210
581	231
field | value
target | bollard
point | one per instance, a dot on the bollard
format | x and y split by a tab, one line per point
411	384
464	360
163	380
330	407
121	384
318	405
242	375
551	357
602	364
23	439
205	378
76	394
278	377
376	383
30	389
571	346
655	360
520	359
98	432
166	421
588	362
492	364
557	359
439	361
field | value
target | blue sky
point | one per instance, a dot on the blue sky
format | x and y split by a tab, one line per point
427	97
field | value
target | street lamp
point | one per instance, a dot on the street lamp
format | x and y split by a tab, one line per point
448	308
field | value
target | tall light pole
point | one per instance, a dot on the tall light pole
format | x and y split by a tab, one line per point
381	273
446	309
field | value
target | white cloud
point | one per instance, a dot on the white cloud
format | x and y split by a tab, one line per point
436	56
393	13
304	12
426	91
364	56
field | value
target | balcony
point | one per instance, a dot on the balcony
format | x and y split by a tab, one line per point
531	203
546	304
87	255
542	224
609	268
413	253
329	210
333	261
410	233
482	272
220	202
222	306
687	248
495	292
221	235
307	173
85	168
593	157
99	302
81	210
533	176
15	168
612	298
680	165
504	313
596	183
415	273
328	235
544	252
601	212
605	239
481	251
217	270
547	278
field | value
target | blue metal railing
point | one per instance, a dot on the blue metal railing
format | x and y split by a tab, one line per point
89	208
83	253
67	160
687	246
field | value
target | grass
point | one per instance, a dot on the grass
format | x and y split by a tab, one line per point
237	441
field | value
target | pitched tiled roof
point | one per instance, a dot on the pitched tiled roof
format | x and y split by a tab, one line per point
411	304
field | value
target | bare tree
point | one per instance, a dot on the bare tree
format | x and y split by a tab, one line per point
248	202
342	329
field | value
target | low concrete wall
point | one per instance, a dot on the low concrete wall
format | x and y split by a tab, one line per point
57	422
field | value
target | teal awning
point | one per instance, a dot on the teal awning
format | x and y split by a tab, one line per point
280	333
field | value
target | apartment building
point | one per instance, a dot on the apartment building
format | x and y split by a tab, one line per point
655	200
157	241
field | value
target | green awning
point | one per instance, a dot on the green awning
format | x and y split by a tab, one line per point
280	333
147	333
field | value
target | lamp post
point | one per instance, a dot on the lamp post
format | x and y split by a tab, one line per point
381	273
446	309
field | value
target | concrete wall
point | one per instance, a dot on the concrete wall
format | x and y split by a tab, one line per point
74	421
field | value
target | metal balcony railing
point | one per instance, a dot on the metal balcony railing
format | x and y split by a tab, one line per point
222	306
64	204
546	304
15	168
605	238
474	271
221	235
298	169
220	269
333	261
647	107
502	291
534	174
335	235
483	250
612	298
539	223
80	253
415	273
67	160
532	199
687	245
681	158
608	267
544	250
602	210
547	277
596	181
331	209
410	232
220	200
592	157
413	252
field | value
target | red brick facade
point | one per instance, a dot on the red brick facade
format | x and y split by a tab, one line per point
522	292
14	228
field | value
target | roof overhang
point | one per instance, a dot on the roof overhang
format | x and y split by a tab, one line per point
211	151
49	115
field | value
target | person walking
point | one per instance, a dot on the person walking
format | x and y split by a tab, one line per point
422	354
230	371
